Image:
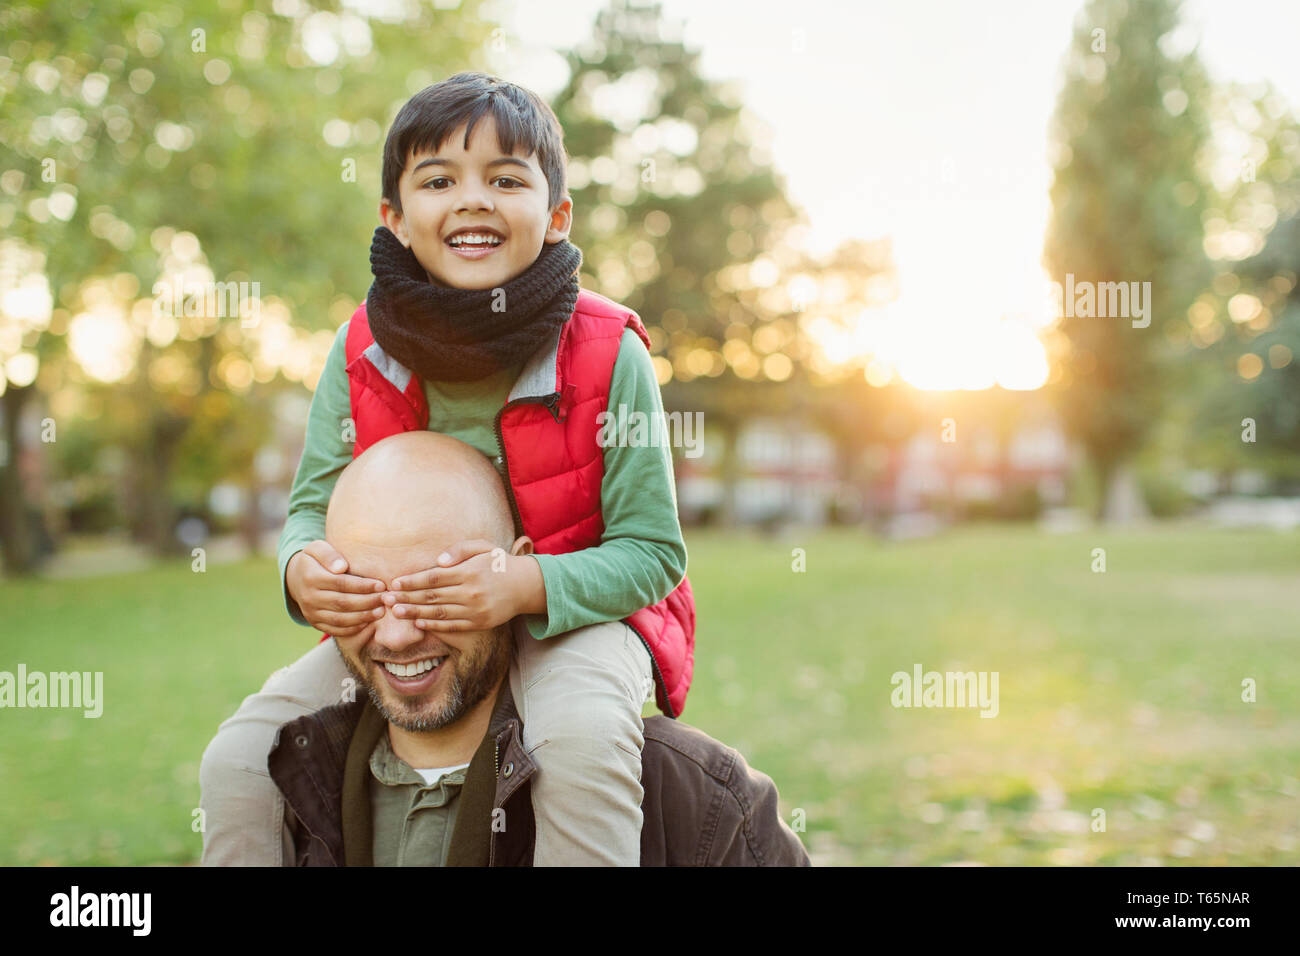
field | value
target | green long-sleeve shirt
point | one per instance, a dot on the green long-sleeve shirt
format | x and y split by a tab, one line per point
641	556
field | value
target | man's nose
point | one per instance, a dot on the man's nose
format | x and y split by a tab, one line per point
397	633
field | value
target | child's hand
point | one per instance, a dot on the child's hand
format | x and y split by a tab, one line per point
476	586
332	600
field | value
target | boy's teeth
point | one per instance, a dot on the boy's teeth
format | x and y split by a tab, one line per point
475	239
414	669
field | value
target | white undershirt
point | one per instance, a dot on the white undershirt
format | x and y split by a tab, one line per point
432	774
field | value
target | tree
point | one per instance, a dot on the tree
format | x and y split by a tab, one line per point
1248	322
682	218
227	140
1127	198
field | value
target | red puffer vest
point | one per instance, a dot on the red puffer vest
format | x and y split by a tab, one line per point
548	437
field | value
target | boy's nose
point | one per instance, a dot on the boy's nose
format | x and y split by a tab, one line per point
473	199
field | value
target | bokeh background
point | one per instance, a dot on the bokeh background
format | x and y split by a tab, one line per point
841	226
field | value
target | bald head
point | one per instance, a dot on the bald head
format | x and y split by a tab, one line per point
416	493
394	510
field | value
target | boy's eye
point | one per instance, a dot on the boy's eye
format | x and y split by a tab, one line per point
508	180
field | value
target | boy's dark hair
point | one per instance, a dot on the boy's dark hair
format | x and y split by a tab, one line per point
431	115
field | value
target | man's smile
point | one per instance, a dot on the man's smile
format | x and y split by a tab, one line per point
413	677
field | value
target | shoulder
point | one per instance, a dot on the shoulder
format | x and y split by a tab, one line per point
598	317
333	375
601	318
690	748
707	806
355	332
598	306
633	364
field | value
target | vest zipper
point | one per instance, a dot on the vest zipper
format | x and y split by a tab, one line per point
552	403
654	664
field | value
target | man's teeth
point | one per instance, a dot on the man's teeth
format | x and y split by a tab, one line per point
475	239
414	669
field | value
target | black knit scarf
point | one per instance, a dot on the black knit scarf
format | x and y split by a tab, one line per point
444	334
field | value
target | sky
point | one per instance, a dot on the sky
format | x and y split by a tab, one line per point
925	122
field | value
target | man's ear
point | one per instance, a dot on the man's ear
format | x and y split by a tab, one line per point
522	545
394	221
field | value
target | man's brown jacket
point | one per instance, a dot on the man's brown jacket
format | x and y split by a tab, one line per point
703	806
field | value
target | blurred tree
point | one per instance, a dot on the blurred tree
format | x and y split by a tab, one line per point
1248	320
206	141
683	219
1128	133
668	182
1271	395
778	365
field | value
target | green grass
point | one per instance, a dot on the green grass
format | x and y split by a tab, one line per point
1118	691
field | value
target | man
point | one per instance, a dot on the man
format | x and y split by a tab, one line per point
425	766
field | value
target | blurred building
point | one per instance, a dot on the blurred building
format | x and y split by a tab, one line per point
783	472
975	471
786	472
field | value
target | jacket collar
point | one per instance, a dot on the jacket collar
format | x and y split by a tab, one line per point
321	763
538	378
540	375
497	770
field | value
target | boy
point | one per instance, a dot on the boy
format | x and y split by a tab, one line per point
475	327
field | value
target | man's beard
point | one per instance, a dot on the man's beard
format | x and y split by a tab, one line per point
471	680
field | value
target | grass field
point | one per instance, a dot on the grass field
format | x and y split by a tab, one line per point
1119	691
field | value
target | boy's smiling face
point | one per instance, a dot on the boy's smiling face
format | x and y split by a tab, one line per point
481	189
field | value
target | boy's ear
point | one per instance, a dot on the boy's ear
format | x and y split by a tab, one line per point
395	222
522	545
561	220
